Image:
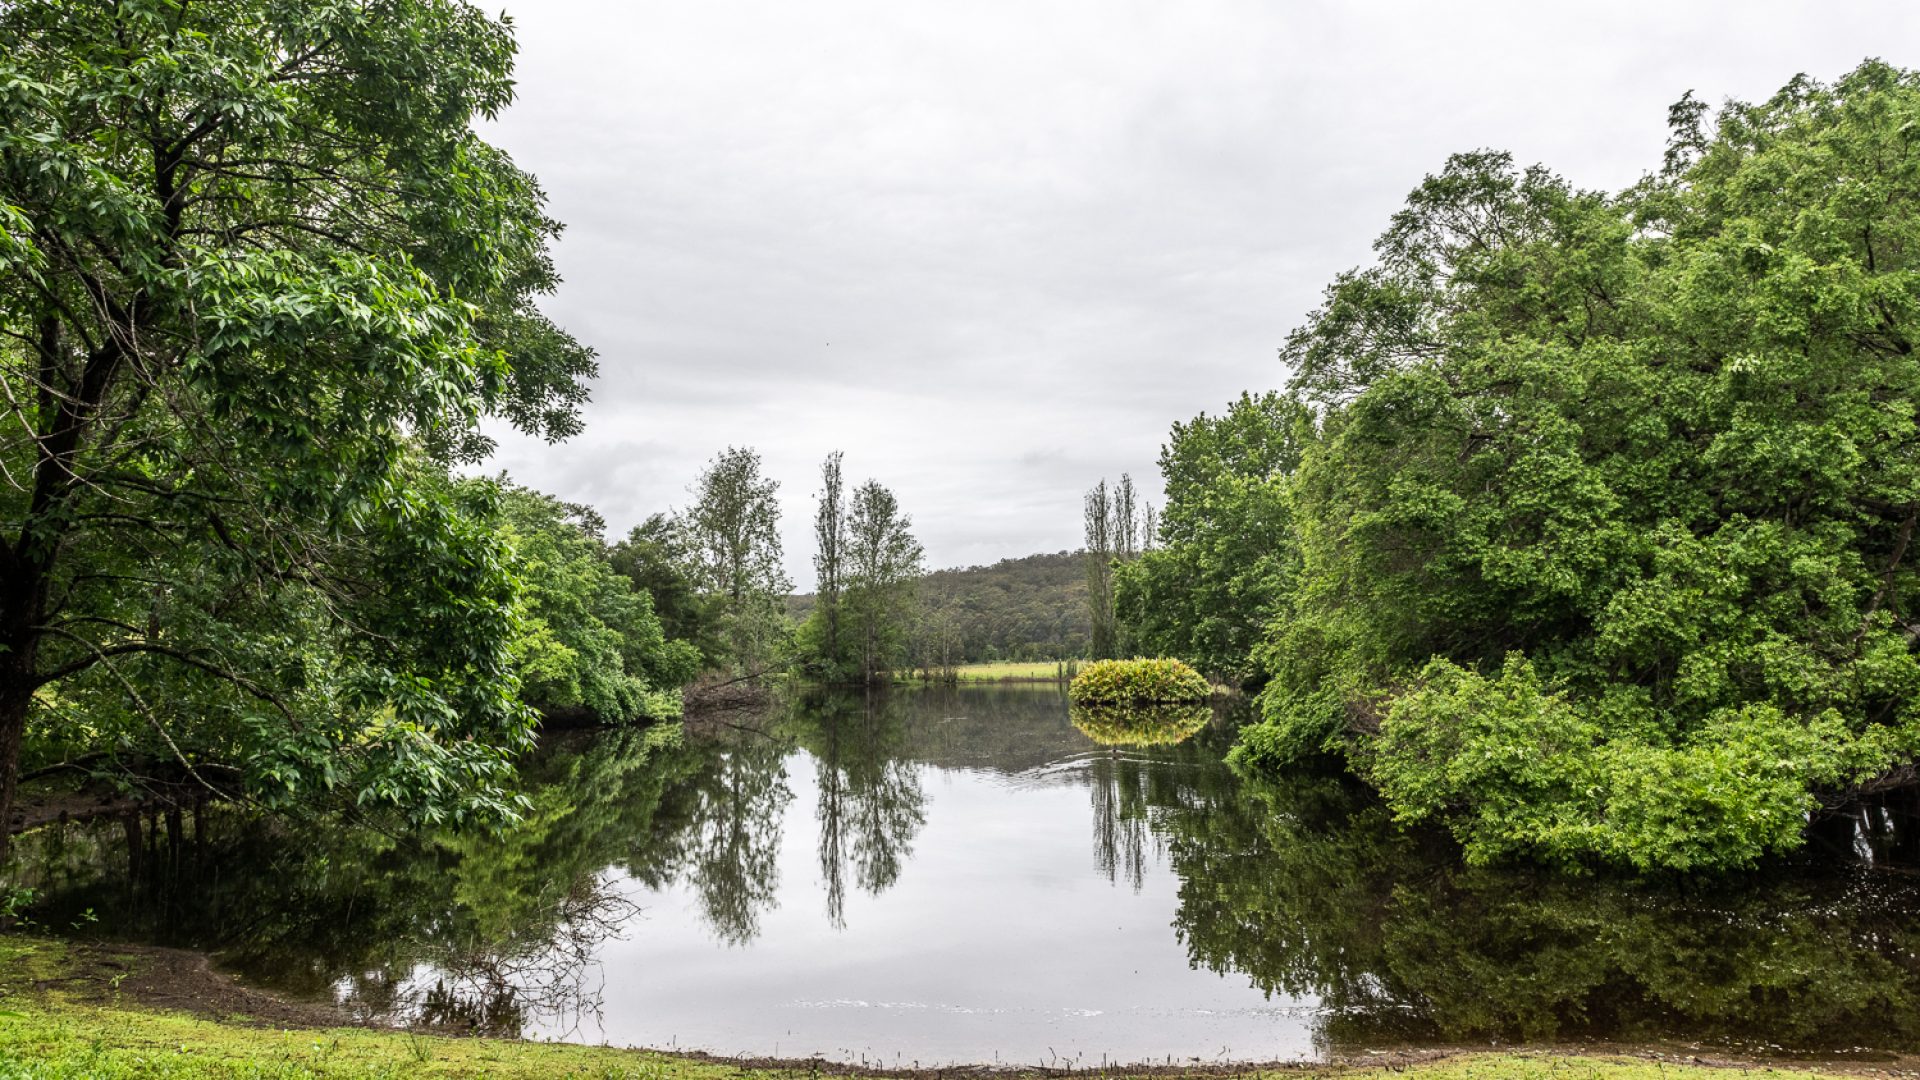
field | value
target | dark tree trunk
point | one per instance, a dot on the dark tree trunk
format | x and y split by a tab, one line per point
130	824
13	724
19	595
176	834
27	558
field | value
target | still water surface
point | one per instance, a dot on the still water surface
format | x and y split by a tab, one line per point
966	876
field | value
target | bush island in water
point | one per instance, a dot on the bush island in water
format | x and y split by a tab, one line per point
1130	681
1596	546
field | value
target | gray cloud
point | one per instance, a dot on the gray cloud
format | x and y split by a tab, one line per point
992	250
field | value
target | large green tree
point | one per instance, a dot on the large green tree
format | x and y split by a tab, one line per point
883	563
1226	559
657	557
733	529
259	282
1607	534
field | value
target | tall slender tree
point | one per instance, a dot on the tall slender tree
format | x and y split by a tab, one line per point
1126	525
829	562
1119	527
1098	518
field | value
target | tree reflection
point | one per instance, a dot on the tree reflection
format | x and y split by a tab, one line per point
1306	887
871	802
1121	836
507	923
1302	885
1158	761
733	843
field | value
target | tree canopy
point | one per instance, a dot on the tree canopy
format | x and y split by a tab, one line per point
1226	559
259	283
860	625
733	535
1604	514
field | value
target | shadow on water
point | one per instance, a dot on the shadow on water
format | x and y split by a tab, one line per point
1300	887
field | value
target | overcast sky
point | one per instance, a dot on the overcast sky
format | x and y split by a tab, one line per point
993	249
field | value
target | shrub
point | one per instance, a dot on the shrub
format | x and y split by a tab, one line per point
1138	681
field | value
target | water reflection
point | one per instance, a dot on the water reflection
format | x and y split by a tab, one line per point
483	932
870	800
1140	725
727	849
1303	886
909	874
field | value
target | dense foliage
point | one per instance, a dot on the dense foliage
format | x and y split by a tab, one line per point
588	645
259	282
1135	681
657	558
1031	608
1225	561
1604	533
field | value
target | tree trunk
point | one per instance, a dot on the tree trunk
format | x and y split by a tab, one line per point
14	702
130	826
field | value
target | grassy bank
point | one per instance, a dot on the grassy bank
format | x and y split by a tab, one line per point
60	1021
1009	671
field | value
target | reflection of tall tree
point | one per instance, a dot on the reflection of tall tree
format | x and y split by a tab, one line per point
734	842
1133	788
871	802
1120	832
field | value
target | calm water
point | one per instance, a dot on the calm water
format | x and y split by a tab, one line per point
967	877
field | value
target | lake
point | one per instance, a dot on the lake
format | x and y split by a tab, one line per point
978	876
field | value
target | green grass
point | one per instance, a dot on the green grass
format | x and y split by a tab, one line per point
1010	671
52	1034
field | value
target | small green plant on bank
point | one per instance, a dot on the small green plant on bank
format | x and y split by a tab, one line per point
13	901
1139	681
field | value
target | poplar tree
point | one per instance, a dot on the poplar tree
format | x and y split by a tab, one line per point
829	561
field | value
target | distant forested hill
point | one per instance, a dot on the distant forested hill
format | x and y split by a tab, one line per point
1031	608
1034	608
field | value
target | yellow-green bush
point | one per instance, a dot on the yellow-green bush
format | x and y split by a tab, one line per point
1138	681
